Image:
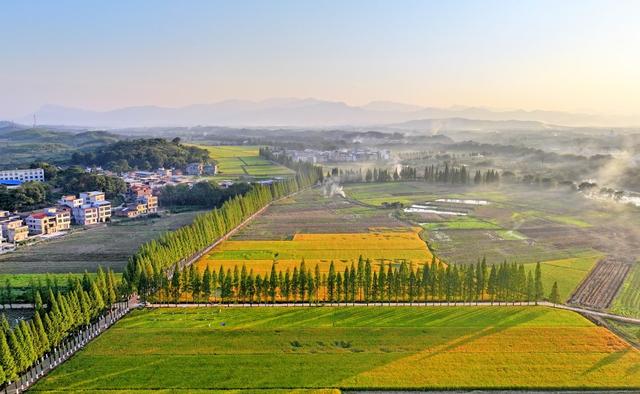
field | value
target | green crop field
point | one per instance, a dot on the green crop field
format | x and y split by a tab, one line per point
237	161
350	348
567	272
627	302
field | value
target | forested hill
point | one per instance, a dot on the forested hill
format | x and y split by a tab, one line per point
20	146
142	154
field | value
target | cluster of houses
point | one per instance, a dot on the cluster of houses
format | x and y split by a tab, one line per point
141	202
340	155
162	177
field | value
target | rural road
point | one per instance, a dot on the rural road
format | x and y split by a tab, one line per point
414	304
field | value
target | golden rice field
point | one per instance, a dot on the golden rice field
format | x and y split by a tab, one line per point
378	246
351	348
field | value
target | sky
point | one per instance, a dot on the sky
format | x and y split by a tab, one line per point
570	55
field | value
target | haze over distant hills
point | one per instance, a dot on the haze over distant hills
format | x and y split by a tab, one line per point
309	112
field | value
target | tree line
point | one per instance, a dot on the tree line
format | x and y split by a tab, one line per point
363	281
431	174
146	268
57	315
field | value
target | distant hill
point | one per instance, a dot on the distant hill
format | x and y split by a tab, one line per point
293	112
461	124
20	146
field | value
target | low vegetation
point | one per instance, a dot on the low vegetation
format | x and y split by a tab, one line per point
351	348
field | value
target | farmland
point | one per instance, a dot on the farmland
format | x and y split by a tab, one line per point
601	286
565	231
313	213
628	300
343	249
568	273
238	161
350	348
319	229
108	246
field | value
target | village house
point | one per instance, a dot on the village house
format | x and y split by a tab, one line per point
85	215
12	227
48	221
89	208
194	169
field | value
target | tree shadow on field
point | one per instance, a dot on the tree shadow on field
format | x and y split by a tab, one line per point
526	316
607	360
523	317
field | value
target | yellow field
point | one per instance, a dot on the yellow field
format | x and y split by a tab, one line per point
321	249
550	356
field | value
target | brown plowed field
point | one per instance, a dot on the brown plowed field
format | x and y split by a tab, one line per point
601	286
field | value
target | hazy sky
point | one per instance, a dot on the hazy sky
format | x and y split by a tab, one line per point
563	55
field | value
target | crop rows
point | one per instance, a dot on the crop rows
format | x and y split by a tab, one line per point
601	285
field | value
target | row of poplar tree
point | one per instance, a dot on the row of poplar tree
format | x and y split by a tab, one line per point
145	269
363	281
57	315
431	174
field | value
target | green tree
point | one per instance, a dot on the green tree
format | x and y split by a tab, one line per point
6	359
539	290
554	297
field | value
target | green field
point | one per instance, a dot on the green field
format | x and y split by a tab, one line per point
238	161
350	348
627	302
567	272
462	223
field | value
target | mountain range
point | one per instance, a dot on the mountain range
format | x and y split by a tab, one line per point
308	112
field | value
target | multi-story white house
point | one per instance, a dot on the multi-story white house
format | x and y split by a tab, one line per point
85	215
90	202
90	197
71	201
28	175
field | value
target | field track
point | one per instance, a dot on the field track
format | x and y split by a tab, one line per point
602	284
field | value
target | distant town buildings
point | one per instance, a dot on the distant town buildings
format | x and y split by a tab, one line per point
28	175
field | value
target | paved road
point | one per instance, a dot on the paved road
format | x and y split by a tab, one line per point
415	304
